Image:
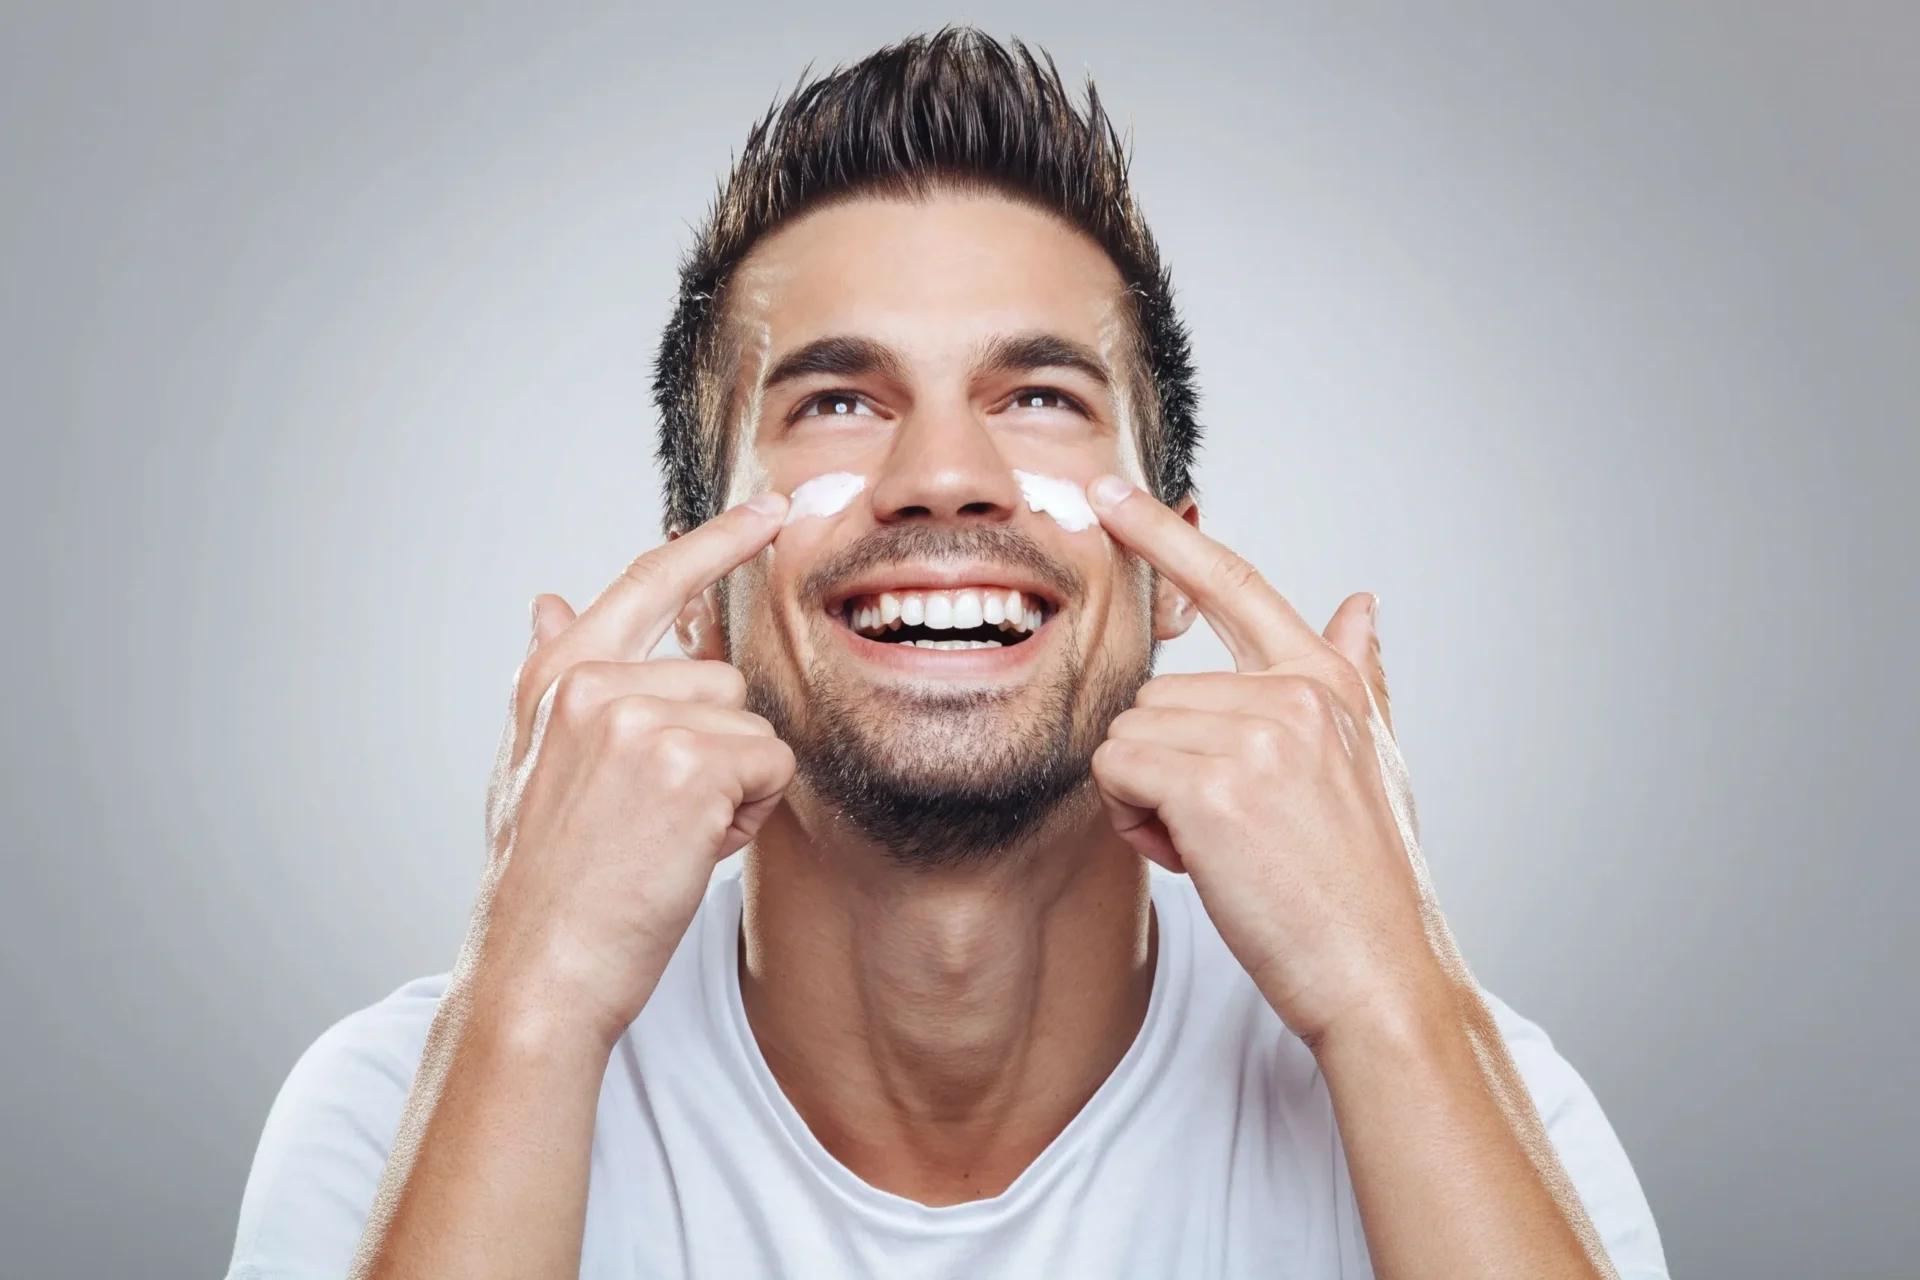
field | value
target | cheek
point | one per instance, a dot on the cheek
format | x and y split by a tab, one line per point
750	598
1063	499
1129	621
824	496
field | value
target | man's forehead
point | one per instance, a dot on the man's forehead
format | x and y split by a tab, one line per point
943	275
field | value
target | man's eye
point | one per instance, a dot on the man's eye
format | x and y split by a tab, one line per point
835	404
1041	398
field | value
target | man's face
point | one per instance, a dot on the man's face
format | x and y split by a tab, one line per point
942	658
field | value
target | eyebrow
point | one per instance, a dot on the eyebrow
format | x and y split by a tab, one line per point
1019	353
847	356
844	357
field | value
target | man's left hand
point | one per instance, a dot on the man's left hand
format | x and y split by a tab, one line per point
1277	788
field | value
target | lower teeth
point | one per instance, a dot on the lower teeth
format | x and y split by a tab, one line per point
953	644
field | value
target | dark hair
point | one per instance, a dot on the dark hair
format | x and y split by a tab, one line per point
951	109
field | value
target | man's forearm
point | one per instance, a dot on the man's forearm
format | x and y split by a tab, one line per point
488	1176
1450	1164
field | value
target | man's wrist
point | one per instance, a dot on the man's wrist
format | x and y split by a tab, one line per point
538	1023
1417	1021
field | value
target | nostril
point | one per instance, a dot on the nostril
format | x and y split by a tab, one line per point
978	509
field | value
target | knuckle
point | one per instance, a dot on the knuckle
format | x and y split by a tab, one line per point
673	755
574	695
645	572
630	722
1306	704
1233	573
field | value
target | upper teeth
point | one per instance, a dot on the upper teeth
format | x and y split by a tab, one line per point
965	608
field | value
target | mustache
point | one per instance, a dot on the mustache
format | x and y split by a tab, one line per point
892	544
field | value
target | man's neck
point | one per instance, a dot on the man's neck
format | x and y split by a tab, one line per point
936	1029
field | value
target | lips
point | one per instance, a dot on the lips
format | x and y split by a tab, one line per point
985	616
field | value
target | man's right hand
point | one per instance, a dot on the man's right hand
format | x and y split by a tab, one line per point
620	783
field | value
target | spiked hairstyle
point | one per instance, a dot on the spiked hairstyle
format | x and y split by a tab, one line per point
955	109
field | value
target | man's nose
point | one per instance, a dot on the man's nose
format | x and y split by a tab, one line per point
945	467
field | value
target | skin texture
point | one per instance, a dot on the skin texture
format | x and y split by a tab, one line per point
938	1024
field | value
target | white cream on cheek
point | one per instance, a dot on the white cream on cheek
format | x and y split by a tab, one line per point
1064	500
826	495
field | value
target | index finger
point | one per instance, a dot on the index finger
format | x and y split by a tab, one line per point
1260	629
630	616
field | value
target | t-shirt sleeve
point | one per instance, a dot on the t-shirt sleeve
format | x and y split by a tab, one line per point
1588	1148
326	1141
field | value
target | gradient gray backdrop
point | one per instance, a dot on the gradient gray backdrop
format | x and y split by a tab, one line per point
1589	336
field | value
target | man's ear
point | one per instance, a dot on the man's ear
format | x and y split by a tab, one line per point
697	626
1173	613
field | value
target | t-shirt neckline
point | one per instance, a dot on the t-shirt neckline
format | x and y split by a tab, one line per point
1109	1103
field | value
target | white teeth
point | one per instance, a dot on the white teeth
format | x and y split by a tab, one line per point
955	644
965	609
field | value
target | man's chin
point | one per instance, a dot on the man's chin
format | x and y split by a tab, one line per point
942	776
942	790
936	778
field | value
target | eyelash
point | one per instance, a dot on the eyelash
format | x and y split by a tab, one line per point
807	405
1066	401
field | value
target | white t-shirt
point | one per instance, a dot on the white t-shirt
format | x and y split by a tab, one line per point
1210	1151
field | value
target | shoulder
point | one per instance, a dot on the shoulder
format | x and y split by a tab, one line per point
1588	1148
326	1139
1221	997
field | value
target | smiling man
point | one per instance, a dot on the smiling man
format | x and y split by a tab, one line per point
1031	965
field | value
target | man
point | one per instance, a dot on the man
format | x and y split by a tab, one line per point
1032	965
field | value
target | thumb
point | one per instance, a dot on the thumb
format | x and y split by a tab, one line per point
551	616
1354	632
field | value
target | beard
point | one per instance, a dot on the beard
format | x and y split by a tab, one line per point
946	778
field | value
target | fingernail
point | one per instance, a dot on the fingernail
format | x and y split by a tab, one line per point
1109	491
533	613
1373	614
767	504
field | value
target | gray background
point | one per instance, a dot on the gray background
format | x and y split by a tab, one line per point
1589	336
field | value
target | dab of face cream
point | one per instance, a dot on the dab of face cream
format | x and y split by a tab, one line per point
1064	500
826	495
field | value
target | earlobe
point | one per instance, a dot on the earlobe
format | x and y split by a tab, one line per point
1173	613
697	628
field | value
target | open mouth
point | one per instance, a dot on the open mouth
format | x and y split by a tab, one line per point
962	618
